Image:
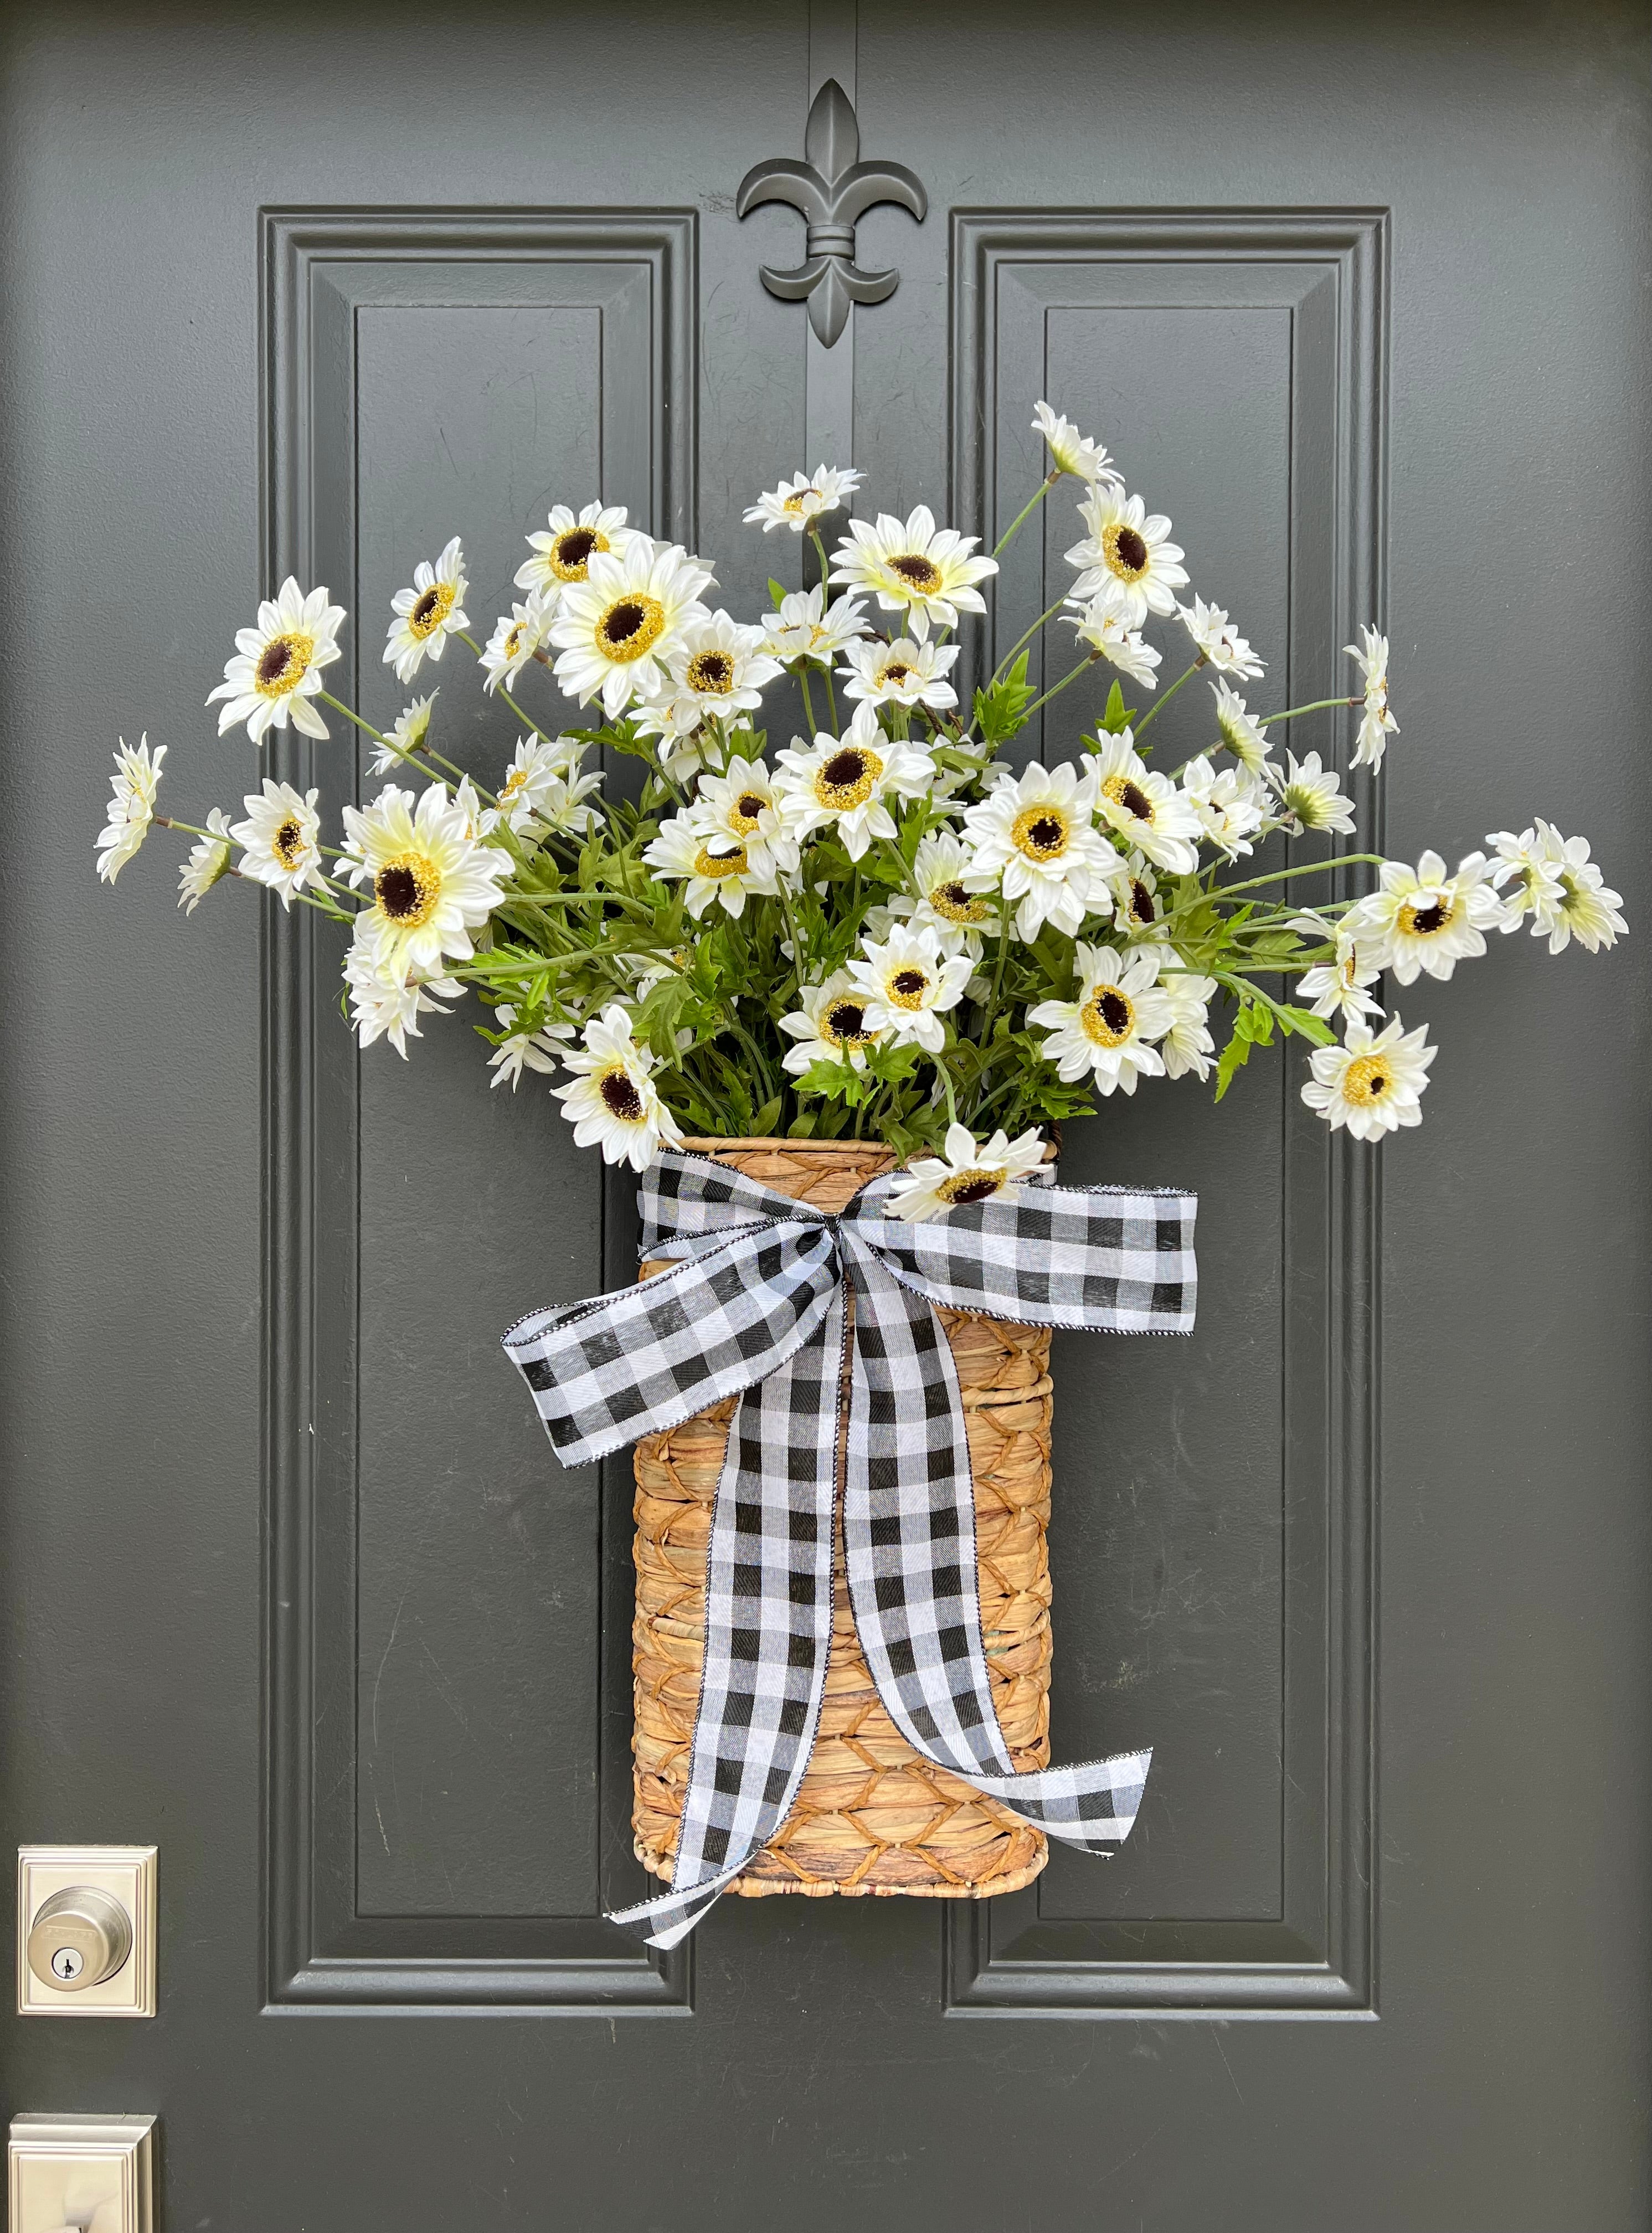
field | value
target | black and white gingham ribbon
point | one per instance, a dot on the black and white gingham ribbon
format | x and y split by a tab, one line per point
753	1304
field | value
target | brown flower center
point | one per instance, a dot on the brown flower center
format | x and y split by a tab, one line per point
906	988
1041	832
283	665
570	554
848	779
629	626
1424	922
970	1186
920	572
1126	553
288	845
620	1095
1367	1079
712	671
1106	1017
407	888
844	1025
430	611
1142	908
957	904
1130	796
721	865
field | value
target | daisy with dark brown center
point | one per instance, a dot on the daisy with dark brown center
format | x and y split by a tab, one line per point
618	629
276	674
563	550
614	1102
1107	1032
1127	545
1372	1084
428	613
965	1174
280	839
829	1025
914	567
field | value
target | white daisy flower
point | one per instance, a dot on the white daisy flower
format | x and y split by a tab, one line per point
619	626
1124	544
910	982
1559	886
540	1050
543	790
900	673
963	919
1073	452
914	567
1107	1032
432	883
1035	835
1371	1084
131	805
280	840
382	1005
612	1102
1188	1045
1244	736
563	551
673	715
806	627
410	730
209	861
1230	804
1341	987
742	807
1377	725
517	635
1424	919
428	613
829	1025
1133	889
1145	808
1224	648
721	666
727	874
798	503
1311	796
969	1171
277	669
1102	620
845	783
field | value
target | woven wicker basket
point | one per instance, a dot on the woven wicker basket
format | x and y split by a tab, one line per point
871	1818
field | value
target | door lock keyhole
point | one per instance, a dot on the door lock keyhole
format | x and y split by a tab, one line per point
80	1939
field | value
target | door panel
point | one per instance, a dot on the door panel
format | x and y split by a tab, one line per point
291	1583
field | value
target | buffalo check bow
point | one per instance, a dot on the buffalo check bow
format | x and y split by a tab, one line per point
753	1304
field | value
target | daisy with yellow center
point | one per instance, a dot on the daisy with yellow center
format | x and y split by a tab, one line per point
543	790
280	840
1229	804
1424	919
714	868
807	628
968	1171
722	666
913	567
844	784
614	1102
798	503
1126	544
1034	835
616	631
1377	725
131	805
432	883
563	549
428	613
1371	1084
1135	903
904	673
384	1005
1552	879
517	635
909	982
1144	808
276	673
741	808
1107	1032
830	1025
961	917
1072	451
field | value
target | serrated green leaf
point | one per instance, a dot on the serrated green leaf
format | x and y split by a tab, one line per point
1001	708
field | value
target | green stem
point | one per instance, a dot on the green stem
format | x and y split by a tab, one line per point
1279	877
1049	613
1157	708
421	766
831	701
1319	707
820	553
500	692
1057	688
947	1087
1026	511
809	703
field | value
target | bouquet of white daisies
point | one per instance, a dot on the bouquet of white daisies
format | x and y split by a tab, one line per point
885	928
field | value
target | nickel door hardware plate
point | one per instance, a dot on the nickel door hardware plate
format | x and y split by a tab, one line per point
68	2172
86	1930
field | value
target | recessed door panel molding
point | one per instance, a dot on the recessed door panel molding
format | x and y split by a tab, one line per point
447	1745
1276	318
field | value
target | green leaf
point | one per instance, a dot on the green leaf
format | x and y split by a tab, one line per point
1118	716
767	1117
1001	708
776	592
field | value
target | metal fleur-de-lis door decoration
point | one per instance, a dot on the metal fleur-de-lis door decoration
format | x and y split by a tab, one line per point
833	189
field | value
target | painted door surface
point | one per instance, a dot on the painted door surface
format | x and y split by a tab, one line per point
293	1586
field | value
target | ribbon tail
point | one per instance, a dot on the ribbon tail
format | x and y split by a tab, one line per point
909	1547
768	1629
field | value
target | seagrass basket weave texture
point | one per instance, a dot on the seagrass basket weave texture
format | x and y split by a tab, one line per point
871	1817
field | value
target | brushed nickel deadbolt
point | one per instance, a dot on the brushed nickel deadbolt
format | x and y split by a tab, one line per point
86	1930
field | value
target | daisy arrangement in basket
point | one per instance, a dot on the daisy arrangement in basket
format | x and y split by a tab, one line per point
892	925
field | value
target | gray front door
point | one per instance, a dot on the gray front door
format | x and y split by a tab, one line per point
293	1587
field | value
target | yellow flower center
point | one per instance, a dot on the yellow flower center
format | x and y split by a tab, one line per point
918	572
569	556
906	986
1108	1018
1142	909
1128	795
894	673
710	673
957	904
513	642
288	845
747	811
631	626
1041	832
283	665
849	778
515	784
1125	552
430	611
1428	922
974	1185
797	504
843	1024
721	865
407	887
619	1093
1367	1080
